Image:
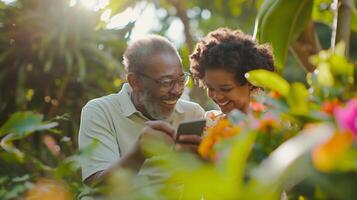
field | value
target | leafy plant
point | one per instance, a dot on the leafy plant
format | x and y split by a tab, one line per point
32	162
297	146
51	55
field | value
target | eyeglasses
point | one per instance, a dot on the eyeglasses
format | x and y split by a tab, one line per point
168	82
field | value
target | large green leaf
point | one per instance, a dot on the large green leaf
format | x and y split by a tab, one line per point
268	79
21	124
238	157
279	22
298	98
288	164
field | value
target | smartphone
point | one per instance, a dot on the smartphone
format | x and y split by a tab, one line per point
191	127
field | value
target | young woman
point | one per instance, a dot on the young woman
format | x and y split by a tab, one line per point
219	63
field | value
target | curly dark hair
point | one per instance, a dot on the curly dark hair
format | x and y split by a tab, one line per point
231	50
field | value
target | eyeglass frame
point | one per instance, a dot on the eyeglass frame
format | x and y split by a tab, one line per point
173	82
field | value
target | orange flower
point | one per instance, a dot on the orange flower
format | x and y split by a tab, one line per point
223	129
257	107
266	125
325	156
48	189
329	106
275	94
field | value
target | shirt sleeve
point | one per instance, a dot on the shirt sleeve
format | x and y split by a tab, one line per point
200	112
95	131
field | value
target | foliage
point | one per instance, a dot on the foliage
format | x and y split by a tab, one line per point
293	17
54	58
52	54
298	145
43	166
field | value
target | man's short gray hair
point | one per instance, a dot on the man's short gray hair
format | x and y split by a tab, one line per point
138	53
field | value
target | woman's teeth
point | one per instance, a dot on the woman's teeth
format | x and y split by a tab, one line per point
223	103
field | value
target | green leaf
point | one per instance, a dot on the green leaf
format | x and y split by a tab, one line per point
297	99
21	124
324	75
280	22
238	156
16	154
268	79
119	6
288	164
340	48
339	64
322	11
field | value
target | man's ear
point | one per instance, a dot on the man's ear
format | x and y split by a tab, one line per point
134	82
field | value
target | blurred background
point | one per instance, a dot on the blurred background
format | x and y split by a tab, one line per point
55	55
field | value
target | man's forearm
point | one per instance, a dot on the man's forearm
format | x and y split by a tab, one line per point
132	161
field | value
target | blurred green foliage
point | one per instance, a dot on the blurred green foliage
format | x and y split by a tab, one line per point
267	162
51	58
55	57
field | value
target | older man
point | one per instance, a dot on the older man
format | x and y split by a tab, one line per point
121	122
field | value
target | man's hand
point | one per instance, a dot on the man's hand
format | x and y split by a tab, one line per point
188	142
156	133
162	131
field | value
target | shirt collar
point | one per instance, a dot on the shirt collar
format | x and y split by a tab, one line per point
128	107
126	104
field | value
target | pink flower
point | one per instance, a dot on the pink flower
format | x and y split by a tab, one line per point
346	117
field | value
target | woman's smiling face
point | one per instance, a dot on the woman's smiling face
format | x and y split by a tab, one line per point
226	91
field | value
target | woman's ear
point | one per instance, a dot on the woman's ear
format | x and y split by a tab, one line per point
134	82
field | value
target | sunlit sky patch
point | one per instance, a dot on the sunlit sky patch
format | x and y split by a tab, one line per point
145	14
8	1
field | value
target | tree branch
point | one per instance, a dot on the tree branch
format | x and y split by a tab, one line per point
196	92
306	46
343	26
182	14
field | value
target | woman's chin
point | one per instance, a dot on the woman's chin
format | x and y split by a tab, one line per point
226	109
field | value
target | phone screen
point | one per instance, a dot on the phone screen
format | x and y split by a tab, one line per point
191	127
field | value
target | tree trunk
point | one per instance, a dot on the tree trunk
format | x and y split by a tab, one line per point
342	23
197	94
182	14
306	46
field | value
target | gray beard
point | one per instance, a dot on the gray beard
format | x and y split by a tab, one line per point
153	108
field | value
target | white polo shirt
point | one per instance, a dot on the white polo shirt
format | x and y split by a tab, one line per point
115	123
